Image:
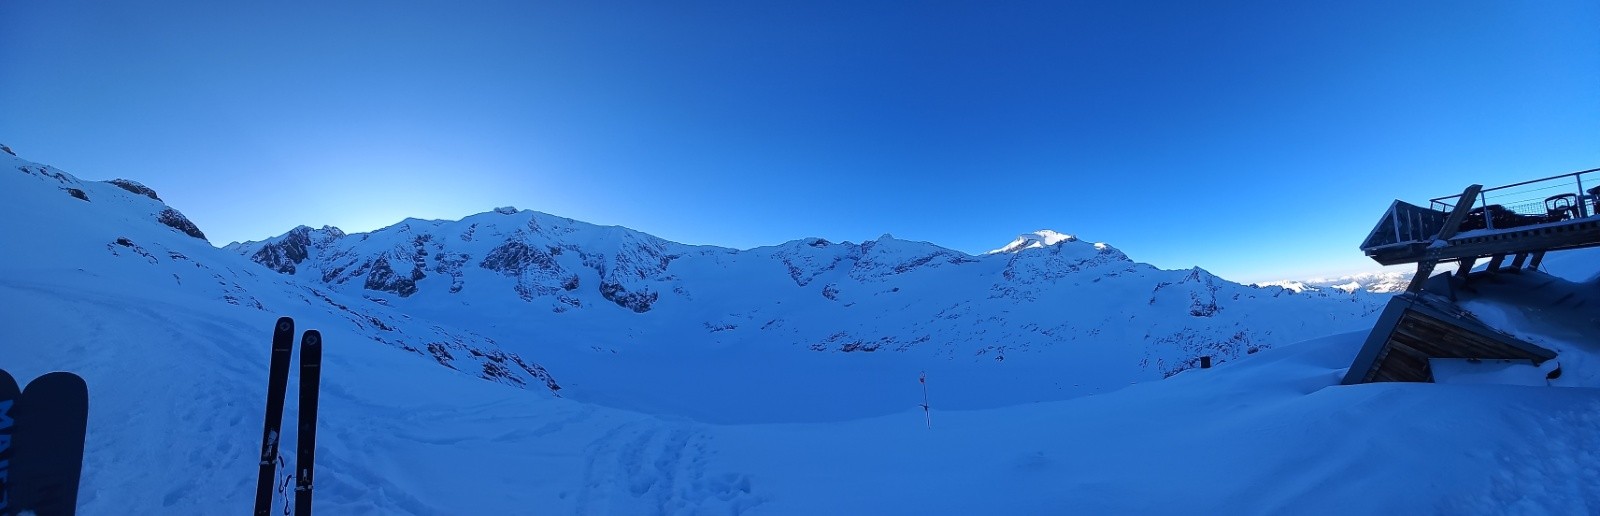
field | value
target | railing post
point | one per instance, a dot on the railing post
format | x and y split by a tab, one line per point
1488	222
1583	210
1395	218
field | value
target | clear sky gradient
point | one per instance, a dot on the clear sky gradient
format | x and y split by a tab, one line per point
1260	140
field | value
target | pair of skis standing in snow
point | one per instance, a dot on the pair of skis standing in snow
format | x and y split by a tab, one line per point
306	447
42	433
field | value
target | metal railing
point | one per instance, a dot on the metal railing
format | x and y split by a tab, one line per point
1551	199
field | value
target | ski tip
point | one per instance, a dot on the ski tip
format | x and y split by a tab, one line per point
311	338
60	381
286	324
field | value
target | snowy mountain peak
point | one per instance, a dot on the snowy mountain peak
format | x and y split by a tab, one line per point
1035	240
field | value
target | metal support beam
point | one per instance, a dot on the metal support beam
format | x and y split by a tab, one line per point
1494	262
1452	225
1464	270
1518	260
1424	269
1538	258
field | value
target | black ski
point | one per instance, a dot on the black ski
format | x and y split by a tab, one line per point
277	385
306	445
9	393
51	418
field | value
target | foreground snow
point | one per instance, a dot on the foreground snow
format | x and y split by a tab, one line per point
177	401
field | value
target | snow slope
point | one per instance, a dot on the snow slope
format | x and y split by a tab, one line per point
73	235
176	372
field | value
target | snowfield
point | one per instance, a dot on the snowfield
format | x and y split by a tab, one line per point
488	400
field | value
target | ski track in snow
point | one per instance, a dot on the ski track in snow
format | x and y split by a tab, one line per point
657	468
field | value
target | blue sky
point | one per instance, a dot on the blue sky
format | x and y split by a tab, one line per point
1259	140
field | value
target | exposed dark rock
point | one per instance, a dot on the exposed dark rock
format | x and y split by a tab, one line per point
419	255
293	248
853	346
639	302
514	257
77	193
382	277
7	150
537	371
177	221
441	354
135	187
125	242
506	210
450	264
497	367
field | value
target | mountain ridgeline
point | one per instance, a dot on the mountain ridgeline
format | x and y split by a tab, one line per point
1046	293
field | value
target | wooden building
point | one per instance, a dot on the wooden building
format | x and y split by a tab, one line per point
1416	327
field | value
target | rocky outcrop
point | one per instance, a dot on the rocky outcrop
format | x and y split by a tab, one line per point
381	277
135	187
536	271
286	253
638	301
515	257
171	218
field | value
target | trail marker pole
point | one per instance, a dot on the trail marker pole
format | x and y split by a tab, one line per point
927	414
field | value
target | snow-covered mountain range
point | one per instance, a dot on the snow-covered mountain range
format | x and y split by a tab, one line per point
788	379
1377	282
1083	310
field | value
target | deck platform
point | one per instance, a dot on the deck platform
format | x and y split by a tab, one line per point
1522	220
